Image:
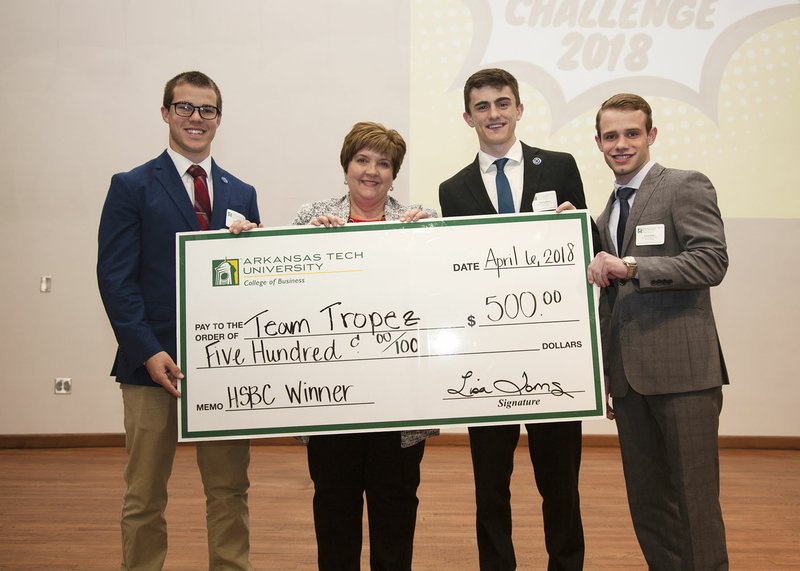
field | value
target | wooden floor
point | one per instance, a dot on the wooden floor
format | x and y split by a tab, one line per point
59	509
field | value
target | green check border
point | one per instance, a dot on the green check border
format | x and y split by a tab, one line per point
184	238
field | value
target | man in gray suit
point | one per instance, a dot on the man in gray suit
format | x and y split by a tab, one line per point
662	355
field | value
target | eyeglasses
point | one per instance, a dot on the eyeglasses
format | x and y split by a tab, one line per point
186	109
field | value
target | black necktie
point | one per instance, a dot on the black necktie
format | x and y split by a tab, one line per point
505	200
623	194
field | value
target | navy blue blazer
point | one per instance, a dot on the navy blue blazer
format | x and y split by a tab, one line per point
136	274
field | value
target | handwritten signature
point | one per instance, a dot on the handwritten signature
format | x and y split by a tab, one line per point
469	387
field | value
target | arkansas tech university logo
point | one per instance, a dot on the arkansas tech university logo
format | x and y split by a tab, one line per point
225	272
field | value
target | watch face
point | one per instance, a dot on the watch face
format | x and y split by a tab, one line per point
630	263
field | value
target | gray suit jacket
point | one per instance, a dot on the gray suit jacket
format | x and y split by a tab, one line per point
659	332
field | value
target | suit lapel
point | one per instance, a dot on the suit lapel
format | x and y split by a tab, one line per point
474	183
222	191
531	174
166	174
606	243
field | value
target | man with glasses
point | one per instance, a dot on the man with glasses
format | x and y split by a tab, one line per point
136	275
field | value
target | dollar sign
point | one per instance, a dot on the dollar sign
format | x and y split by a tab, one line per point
471	320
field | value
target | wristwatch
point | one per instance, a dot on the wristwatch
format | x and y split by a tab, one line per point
630	263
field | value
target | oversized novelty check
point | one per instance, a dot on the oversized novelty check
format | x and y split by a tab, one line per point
386	326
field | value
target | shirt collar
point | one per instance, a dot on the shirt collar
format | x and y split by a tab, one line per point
182	163
636	181
514	154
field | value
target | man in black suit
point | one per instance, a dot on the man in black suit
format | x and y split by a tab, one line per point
492	108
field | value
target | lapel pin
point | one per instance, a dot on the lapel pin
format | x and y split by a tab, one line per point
537	161
223	179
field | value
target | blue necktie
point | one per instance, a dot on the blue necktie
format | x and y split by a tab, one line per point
623	194
505	200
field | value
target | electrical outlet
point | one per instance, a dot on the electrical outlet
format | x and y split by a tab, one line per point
62	386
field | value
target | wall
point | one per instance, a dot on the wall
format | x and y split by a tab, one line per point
82	85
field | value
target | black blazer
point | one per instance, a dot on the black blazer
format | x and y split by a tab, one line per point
465	195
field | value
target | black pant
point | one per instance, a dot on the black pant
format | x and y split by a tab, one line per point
345	467
555	451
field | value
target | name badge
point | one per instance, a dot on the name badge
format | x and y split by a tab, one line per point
232	216
650	235
544	201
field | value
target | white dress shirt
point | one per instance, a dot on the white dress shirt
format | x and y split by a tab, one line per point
613	215
514	170
182	164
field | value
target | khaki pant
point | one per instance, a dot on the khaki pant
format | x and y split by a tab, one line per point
151	436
